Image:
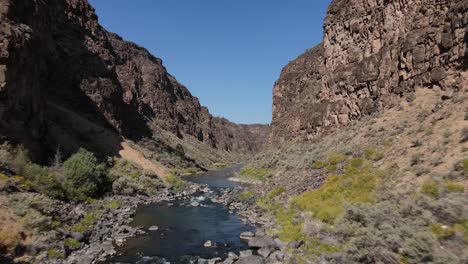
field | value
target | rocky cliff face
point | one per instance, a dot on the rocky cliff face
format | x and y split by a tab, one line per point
65	80
372	52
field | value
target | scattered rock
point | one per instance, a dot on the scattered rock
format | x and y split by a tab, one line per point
232	255
264	252
245	253
153	228
259	242
208	243
251	260
247	235
195	204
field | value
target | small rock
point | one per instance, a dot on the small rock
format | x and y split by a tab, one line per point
232	255
295	244
251	260
208	244
264	252
195	204
202	261
245	253
259	242
153	228
247	235
260	232
280	244
214	260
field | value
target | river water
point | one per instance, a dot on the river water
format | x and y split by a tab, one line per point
183	229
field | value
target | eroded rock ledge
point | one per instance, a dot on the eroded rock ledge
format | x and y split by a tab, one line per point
372	52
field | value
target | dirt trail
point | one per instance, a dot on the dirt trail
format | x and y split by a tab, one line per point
136	157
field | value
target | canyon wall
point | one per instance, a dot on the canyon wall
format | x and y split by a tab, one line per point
373	51
66	81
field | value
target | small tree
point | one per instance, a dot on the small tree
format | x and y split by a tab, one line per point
84	176
58	159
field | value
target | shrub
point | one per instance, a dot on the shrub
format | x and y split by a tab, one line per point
464	135
114	204
319	164
123	168
454	186
87	222
416	159
85	177
430	188
44	180
54	253
245	196
386	232
175	182
373	154
335	158
72	244
131	186
355	185
268	202
441	231
255	173
421	170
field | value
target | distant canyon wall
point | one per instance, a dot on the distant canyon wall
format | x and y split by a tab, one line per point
65	80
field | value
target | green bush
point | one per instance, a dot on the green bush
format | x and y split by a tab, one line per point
355	185
441	231
255	173
72	244
175	182
54	253
123	168
131	186
430	188
373	154
245	196
87	222
84	176
391	231
319	164
44	180
453	186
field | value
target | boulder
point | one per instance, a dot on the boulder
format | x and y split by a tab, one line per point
251	260
264	252
259	242
247	235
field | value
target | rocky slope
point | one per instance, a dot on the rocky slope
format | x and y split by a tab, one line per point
372	53
65	81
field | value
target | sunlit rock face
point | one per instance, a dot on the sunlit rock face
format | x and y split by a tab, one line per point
64	79
372	52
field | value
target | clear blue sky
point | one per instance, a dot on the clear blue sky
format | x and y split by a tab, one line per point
228	53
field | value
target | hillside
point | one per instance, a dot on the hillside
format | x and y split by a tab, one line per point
367	161
67	82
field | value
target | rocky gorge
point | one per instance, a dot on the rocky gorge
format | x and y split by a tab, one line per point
106	158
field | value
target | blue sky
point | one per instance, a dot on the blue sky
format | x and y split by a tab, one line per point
228	53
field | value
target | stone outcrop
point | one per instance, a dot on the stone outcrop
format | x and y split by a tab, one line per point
373	51
65	80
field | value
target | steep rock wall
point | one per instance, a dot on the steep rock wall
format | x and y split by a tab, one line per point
372	52
65	80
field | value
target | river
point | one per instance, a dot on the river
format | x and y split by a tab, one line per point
183	229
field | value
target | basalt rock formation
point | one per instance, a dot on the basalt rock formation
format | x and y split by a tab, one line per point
65	80
373	51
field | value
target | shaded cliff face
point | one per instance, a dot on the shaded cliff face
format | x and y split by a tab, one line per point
372	52
65	80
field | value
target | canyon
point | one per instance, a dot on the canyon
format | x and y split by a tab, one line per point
67	82
364	160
